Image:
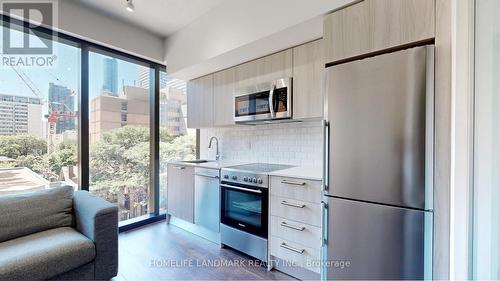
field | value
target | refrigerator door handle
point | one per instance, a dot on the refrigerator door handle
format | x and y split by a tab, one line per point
324	217
326	154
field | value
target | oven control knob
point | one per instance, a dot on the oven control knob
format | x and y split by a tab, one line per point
226	177
245	179
259	181
254	180
235	177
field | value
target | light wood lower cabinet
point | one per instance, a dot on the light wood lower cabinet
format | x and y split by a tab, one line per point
299	189
295	226
180	192
297	210
296	254
301	233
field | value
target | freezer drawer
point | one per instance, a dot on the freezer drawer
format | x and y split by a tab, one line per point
375	241
380	112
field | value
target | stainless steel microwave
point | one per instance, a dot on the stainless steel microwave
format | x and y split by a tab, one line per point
264	102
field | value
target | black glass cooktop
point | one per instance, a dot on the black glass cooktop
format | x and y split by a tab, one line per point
260	167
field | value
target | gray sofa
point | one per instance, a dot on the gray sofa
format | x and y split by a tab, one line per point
58	234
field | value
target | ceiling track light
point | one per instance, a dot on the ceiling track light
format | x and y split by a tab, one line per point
130	6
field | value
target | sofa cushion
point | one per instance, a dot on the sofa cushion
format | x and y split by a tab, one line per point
28	213
44	254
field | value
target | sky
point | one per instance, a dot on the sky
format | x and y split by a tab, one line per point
66	72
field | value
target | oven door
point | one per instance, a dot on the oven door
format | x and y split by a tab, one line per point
244	208
267	101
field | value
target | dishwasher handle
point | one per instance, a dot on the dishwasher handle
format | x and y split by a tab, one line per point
206	176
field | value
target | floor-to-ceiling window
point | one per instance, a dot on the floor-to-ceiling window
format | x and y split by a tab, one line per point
177	142
38	114
91	120
486	230
119	132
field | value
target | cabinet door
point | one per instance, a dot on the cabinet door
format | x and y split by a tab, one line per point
180	192
308	68
374	25
200	102
223	97
264	70
275	66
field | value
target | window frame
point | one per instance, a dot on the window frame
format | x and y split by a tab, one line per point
83	107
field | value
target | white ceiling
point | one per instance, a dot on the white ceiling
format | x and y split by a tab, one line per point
162	17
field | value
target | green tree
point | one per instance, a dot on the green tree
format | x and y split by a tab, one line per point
37	164
22	145
119	162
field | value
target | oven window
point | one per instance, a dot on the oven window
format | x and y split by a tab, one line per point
252	104
243	207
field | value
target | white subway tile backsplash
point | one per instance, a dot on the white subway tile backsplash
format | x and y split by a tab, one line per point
299	144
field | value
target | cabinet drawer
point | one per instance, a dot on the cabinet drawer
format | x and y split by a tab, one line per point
300	189
301	233
296	210
289	251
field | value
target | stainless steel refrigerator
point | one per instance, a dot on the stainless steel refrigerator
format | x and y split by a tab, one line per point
379	153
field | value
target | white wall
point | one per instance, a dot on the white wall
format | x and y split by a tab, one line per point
81	22
299	144
486	260
241	30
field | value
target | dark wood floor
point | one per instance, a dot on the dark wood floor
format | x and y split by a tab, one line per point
165	252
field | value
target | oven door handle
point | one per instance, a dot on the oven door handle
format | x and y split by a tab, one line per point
241	188
271	100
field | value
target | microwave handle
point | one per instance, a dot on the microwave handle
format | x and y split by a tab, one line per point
271	100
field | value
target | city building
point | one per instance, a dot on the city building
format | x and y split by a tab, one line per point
20	115
62	103
110	76
107	112
144	74
131	107
173	106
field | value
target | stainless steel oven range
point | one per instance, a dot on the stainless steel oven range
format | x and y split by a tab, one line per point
244	207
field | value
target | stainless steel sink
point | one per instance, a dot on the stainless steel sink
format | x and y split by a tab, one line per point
197	161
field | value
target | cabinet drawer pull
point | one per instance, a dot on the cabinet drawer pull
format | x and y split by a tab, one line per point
299	228
285	246
292	204
179	167
293	182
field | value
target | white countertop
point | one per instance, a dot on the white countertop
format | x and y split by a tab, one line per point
307	173
209	165
300	172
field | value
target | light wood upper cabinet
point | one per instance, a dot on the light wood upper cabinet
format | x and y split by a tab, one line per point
264	70
308	68
180	192
374	25
200	102
224	85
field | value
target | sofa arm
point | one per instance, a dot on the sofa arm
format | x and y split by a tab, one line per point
98	220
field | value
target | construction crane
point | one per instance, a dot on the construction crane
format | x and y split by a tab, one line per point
55	110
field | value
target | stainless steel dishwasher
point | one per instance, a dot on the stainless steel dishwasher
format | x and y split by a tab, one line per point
207	198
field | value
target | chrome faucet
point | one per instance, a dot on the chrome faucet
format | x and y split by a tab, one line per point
217	156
